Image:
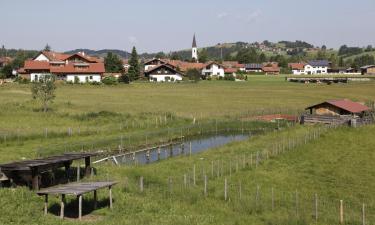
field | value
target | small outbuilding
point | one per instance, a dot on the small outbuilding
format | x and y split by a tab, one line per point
368	70
341	111
338	108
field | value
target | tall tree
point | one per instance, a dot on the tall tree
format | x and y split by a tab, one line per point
113	63
203	56
44	90
134	71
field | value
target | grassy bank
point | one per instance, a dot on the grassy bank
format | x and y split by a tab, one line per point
327	166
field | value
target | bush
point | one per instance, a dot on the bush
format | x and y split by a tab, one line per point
229	77
95	83
110	80
124	79
193	74
22	80
76	80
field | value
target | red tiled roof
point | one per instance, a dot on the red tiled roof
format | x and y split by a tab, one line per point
36	65
347	105
71	68
350	106
65	68
296	66
230	70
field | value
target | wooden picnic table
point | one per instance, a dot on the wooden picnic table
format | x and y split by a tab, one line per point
35	167
78	190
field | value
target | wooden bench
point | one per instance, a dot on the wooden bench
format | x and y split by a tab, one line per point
78	190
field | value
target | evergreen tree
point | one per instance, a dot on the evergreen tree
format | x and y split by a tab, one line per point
134	71
203	56
113	63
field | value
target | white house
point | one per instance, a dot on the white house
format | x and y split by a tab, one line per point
297	68
163	73
316	67
213	69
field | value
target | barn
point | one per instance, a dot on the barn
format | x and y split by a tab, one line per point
341	111
338	108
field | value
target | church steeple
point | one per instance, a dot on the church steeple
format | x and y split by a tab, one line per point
194	50
194	42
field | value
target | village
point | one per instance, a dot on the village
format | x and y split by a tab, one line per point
82	68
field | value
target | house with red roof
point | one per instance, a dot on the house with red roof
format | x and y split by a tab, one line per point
271	68
297	68
77	67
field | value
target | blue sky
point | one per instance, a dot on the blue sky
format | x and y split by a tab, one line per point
167	25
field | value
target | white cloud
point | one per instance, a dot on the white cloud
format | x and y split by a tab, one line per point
222	15
253	16
133	39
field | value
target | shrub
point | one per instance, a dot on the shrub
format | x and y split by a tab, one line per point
124	79
193	74
22	80
229	77
110	80
76	80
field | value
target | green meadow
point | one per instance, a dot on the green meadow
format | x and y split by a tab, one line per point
274	177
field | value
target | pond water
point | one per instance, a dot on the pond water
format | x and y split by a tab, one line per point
185	147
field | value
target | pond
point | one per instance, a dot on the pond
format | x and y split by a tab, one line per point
187	146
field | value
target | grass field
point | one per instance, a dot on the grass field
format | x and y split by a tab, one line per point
338	165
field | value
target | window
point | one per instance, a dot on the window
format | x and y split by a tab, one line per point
91	77
35	77
208	67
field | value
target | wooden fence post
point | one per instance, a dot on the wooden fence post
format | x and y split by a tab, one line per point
240	190
341	212
297	213
212	169
205	185
185	181
225	189
194	180
363	214
272	200
316	208
141	184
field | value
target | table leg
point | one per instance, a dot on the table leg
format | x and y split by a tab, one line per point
62	206
45	204
80	207
95	199
110	197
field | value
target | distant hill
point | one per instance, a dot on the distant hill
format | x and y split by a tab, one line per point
101	53
218	51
